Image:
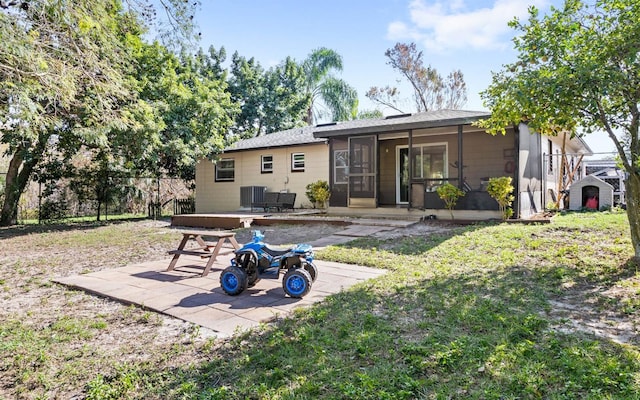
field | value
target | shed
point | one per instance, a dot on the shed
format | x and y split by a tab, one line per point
583	193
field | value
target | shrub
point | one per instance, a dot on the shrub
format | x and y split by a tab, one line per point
450	195
501	190
318	193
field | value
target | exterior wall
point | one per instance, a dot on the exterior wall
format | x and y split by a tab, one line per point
205	176
529	185
212	196
551	160
486	156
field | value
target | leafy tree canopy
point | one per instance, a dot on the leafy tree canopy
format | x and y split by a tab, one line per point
68	84
331	98
270	100
578	68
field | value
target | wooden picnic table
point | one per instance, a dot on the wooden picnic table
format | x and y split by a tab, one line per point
206	248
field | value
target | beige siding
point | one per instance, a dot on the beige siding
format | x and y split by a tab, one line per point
212	196
205	173
486	156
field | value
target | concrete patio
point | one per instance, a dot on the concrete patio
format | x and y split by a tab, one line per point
183	293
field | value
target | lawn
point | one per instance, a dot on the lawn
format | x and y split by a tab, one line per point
490	311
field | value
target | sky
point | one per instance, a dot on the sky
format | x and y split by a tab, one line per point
469	35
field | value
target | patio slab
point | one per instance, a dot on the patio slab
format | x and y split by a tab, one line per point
185	294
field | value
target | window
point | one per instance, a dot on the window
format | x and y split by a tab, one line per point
297	162
266	164
340	166
225	170
429	163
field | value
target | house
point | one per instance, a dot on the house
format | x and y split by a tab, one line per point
285	161
392	166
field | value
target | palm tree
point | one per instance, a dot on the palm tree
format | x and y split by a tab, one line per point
330	96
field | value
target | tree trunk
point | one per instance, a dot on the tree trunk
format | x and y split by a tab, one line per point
16	181
12	192
633	207
24	160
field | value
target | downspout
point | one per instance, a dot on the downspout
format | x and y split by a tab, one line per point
410	167
516	179
460	162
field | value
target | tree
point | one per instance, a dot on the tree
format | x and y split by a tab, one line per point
60	73
578	68
331	97
286	102
66	80
270	100
430	90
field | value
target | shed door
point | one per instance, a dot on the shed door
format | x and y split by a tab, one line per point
362	171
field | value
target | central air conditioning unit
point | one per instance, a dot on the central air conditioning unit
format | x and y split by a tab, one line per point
251	194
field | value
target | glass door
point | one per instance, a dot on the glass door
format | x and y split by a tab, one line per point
362	171
402	175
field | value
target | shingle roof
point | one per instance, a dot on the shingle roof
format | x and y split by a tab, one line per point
429	119
318	134
290	137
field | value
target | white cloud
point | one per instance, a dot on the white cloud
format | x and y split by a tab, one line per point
443	25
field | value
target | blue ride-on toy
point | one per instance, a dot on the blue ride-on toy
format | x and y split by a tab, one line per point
256	260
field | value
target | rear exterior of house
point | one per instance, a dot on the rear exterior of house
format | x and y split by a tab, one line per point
389	166
284	161
394	165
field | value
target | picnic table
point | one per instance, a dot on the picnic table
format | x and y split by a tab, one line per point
210	249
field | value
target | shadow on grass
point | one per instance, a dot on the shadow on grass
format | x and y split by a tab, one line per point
28	229
468	335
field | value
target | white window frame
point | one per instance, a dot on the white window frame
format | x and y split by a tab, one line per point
220	168
266	166
297	164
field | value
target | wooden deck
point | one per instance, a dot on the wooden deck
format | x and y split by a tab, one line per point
234	221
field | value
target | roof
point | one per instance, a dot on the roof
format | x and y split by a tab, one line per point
319	133
290	137
584	145
429	119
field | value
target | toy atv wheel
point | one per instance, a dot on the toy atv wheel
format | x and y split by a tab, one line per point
249	264
233	280
252	278
297	282
312	270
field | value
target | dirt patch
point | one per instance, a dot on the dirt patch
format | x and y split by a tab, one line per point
287	234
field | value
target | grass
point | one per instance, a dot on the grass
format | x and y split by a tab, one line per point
85	219
468	314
